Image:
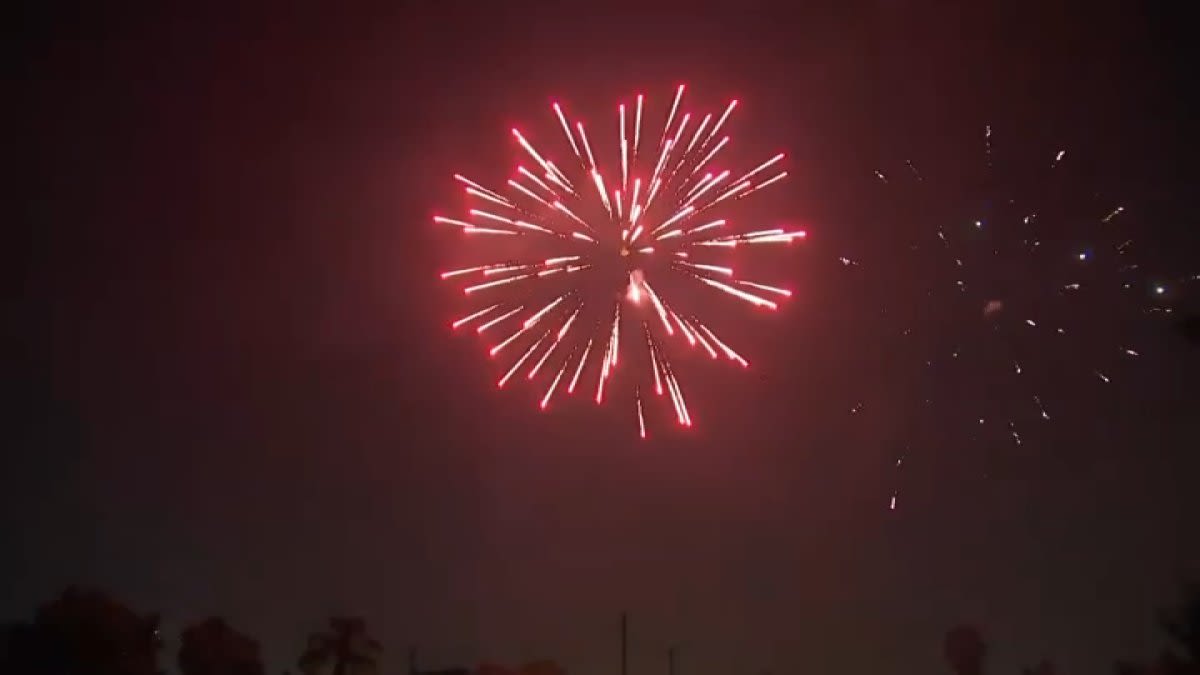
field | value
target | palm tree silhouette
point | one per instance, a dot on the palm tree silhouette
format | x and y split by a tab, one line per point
345	649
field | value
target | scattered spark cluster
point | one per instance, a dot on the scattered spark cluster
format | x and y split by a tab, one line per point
1022	283
578	261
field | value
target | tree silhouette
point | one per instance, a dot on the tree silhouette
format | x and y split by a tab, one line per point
344	650
20	648
1182	624
211	647
83	631
964	649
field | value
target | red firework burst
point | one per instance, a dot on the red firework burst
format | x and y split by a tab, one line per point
572	251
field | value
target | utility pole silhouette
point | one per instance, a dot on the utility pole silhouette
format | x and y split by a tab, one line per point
624	643
671	661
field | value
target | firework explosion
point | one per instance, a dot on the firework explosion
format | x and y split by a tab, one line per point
580	261
1023	281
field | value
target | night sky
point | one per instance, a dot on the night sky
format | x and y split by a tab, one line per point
230	386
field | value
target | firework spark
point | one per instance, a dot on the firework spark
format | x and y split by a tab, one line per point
582	255
1022	265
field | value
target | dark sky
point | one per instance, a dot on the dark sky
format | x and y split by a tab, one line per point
230	388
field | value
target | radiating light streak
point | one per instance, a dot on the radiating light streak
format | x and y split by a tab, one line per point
483	327
475	315
640	414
